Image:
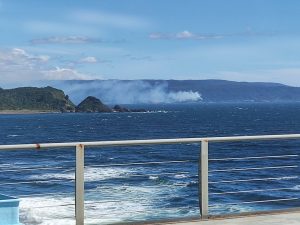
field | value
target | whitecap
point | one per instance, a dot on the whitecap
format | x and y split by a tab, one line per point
91	174
153	177
180	176
161	111
296	188
136	202
47	211
230	208
13	135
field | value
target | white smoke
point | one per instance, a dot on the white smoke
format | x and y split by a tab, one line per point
127	92
185	96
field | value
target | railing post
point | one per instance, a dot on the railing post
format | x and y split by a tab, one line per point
203	180
79	185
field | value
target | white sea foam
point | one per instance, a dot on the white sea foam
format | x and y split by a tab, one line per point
217	208
180	176
33	211
296	188
91	174
152	112
161	111
136	202
13	135
153	177
104	173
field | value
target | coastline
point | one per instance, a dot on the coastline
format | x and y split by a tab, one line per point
25	111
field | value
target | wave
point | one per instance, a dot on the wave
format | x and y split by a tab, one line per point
13	135
47	211
153	177
152	111
137	202
229	209
296	188
91	174
180	176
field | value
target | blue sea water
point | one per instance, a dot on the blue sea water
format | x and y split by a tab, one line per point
44	179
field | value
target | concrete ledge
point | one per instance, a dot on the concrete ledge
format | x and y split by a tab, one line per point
292	218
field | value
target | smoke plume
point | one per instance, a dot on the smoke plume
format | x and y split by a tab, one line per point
126	92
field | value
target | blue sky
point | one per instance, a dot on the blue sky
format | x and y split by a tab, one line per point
238	40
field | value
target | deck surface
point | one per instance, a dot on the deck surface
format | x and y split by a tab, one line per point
292	218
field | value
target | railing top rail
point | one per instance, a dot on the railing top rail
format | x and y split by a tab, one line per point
149	142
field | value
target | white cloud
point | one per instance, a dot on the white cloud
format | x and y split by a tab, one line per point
66	40
19	57
155	36
84	23
65	74
109	19
184	35
188	35
44	58
58	28
19	52
17	65
89	59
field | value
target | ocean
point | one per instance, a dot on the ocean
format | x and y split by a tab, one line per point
121	188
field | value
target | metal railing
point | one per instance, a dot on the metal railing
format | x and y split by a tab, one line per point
202	169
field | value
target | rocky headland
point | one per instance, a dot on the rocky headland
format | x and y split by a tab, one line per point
30	100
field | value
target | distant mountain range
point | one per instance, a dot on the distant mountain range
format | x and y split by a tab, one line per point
113	92
230	91
169	91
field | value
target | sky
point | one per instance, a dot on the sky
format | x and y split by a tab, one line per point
237	40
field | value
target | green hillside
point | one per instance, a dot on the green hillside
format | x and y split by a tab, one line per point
32	98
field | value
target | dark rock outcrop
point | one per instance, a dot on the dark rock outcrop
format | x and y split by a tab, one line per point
118	108
139	110
92	104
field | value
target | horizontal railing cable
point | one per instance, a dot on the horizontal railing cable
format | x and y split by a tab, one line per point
147	163
36	181
144	163
256	179
44	194
51	206
254	157
255	168
259	201
251	191
155	175
36	168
